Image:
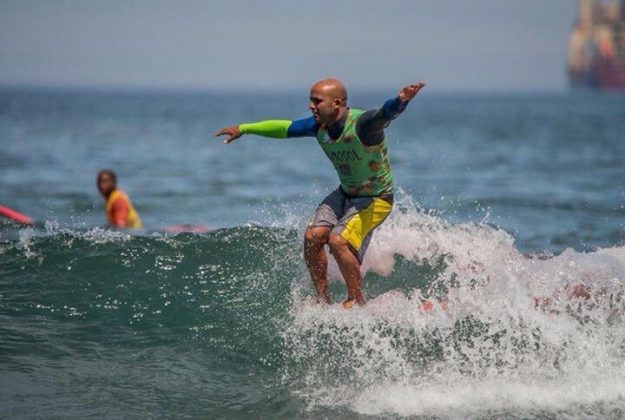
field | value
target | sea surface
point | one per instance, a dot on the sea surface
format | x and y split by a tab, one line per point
509	218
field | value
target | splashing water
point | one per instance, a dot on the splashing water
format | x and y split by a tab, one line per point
512	336
506	334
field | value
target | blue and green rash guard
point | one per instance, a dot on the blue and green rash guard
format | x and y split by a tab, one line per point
355	145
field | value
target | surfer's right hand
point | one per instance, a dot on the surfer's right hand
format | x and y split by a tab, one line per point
233	133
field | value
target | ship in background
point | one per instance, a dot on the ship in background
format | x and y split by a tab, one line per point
597	46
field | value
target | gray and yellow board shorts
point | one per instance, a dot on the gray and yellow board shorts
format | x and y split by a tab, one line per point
353	218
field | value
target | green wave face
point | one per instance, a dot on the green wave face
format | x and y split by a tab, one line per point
222	324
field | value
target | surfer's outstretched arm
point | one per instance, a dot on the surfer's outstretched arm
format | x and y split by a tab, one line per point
277	129
371	124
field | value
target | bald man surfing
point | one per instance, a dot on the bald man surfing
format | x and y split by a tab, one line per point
355	143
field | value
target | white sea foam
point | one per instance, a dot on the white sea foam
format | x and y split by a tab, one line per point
513	337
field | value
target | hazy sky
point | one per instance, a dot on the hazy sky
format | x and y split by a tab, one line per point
241	44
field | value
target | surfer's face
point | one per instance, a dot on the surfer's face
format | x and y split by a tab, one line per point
324	106
106	184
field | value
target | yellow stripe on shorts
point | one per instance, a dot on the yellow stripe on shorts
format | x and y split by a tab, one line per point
363	222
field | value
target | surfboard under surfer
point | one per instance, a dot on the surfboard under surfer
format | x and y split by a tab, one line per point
355	142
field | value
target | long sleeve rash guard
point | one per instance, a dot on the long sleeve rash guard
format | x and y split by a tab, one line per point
370	125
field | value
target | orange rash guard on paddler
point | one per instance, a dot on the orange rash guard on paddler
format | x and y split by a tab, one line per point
117	204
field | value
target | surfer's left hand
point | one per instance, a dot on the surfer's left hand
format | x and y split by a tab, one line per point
408	92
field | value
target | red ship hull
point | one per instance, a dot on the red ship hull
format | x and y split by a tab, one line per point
610	75
604	75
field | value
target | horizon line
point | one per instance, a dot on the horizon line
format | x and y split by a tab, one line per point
263	89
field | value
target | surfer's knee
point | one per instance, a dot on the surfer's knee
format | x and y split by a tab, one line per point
337	243
316	237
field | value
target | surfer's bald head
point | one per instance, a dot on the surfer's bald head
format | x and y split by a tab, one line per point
328	101
332	87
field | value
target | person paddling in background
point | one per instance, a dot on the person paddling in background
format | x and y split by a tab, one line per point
120	212
355	143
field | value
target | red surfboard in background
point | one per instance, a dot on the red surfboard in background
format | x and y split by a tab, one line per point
15	216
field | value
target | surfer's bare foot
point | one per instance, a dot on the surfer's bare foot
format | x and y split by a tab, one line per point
348	304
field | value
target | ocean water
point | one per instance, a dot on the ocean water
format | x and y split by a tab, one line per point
505	206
